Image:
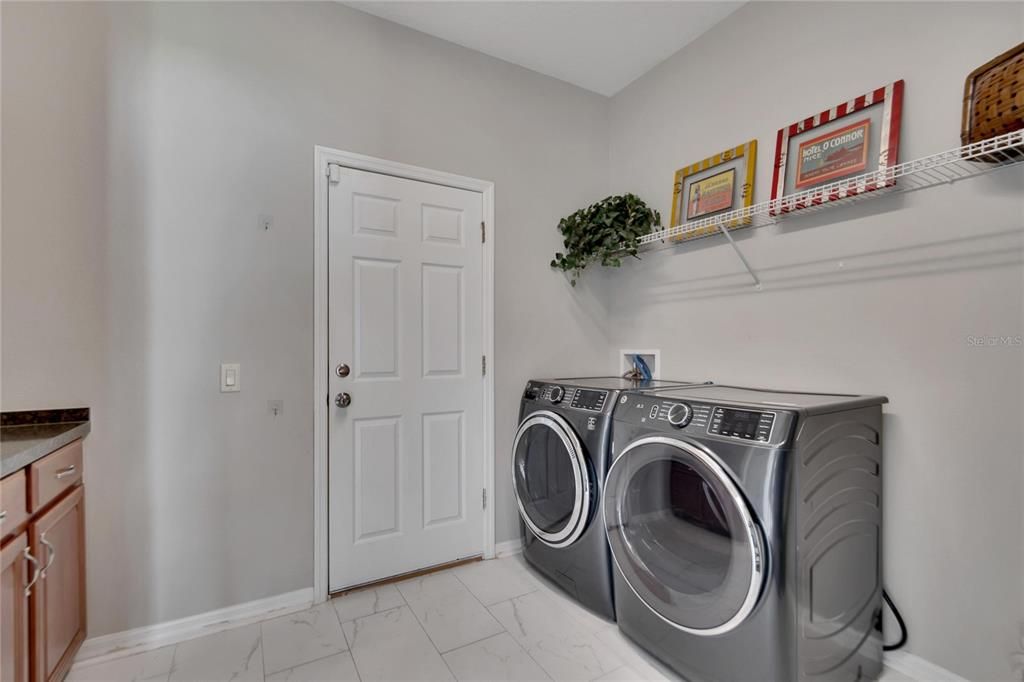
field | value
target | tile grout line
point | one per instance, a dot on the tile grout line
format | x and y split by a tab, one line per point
503	628
348	647
486	610
263	651
348	644
424	628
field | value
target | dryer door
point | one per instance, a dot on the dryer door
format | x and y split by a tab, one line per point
551	479
682	535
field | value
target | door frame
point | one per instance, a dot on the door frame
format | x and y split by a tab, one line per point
323	158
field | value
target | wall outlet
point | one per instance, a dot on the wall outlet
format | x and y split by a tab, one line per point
275	407
230	378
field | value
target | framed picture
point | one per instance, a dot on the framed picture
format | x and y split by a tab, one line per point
714	188
842	151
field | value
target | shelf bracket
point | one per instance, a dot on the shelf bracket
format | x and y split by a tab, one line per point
732	242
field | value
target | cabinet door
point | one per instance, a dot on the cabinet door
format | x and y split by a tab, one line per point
58	603
16	574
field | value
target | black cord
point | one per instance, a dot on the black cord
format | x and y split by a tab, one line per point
899	621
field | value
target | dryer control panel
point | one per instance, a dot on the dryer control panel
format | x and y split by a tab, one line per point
743	424
758	427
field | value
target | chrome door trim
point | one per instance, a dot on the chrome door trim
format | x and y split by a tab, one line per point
581	506
758	565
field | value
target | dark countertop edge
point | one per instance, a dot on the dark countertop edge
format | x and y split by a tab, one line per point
14	463
54	416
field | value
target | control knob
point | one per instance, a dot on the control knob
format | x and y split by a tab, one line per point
557	393
679	415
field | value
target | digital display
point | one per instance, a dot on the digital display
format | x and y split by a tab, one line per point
589	400
742	424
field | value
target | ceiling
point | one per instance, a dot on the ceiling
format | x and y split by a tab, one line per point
599	46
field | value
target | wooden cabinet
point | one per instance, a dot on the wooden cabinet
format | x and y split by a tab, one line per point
51	476
42	606
13	503
58	601
14	633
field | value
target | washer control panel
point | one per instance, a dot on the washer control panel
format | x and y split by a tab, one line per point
588	400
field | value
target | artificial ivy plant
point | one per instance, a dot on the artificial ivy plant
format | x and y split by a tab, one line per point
604	232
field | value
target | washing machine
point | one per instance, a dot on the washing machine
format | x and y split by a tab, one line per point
745	531
559	459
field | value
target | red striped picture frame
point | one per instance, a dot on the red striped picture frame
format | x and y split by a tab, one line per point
891	99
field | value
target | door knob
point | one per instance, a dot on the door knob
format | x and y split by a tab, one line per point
343	400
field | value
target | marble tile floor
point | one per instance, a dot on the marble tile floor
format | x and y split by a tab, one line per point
490	620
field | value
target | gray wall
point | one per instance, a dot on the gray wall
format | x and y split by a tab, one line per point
877	298
140	144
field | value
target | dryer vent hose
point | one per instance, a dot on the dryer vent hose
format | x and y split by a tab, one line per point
899	621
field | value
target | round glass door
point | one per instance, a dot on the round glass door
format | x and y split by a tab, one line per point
682	535
551	479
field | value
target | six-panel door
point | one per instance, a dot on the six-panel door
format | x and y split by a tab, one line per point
406	455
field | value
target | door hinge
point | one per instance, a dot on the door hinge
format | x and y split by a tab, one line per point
484	498
483	232
483	365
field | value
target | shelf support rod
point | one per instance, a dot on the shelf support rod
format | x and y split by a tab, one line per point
732	242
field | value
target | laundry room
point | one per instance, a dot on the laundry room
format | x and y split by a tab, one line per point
515	340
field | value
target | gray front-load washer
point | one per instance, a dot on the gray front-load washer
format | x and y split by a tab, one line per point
559	459
745	531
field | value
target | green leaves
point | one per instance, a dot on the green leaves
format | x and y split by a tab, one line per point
603	232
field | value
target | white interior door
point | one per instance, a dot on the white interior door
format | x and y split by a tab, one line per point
405	460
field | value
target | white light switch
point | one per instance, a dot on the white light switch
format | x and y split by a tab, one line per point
230	378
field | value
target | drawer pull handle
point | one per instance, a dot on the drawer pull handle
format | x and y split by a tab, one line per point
3	515
66	471
51	555
35	574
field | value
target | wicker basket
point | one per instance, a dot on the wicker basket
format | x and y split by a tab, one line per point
994	98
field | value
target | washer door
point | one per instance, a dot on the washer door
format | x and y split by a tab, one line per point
551	479
683	536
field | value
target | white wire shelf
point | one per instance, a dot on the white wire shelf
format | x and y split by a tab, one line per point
944	168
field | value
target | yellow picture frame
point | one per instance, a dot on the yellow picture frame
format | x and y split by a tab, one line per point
707	225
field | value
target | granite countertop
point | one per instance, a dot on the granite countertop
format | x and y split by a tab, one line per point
33	434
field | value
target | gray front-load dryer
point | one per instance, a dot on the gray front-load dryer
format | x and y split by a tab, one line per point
559	459
745	531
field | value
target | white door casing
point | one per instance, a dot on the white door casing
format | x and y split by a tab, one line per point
408	458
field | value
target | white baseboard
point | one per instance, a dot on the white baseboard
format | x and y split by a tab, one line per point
116	645
508	548
918	668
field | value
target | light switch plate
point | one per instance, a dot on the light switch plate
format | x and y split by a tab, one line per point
230	378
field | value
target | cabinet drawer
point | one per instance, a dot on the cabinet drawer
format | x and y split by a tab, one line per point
13	502
53	474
